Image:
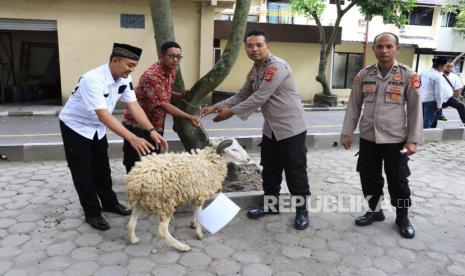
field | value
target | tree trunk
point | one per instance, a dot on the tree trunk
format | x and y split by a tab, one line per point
191	136
164	31
321	77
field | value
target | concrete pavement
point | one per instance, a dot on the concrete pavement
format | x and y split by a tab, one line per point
42	230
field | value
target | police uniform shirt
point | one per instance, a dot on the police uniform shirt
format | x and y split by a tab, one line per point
385	118
270	87
432	87
96	89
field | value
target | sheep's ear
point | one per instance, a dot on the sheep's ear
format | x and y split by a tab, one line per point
224	144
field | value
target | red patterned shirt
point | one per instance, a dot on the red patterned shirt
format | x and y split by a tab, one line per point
154	89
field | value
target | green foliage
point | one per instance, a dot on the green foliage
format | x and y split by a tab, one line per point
307	7
457	6
390	10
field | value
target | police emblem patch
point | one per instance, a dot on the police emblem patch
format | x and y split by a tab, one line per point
270	71
415	81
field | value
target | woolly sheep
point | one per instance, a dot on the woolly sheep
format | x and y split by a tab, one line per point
161	183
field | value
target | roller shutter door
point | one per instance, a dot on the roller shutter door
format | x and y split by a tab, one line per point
27	24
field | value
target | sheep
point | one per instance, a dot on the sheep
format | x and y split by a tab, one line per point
161	183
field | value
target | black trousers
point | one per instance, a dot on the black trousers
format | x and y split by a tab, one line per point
289	155
452	102
90	169
130	155
369	165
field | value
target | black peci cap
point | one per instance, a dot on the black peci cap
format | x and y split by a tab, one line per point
127	51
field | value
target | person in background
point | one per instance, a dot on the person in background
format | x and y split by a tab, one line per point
432	91
452	90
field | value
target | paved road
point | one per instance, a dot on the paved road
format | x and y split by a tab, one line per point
42	230
20	130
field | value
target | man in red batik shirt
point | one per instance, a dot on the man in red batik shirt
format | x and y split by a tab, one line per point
154	93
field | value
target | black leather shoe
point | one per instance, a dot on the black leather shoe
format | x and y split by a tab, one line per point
301	220
260	211
405	228
369	218
118	209
98	223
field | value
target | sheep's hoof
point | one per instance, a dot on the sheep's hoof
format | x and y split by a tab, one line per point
183	247
199	236
193	225
133	240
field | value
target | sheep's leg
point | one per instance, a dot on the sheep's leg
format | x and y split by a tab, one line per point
195	224
132	224
164	233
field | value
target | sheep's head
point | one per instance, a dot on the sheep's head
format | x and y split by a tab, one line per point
230	149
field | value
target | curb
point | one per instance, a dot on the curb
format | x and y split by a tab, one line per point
121	111
41	113
54	151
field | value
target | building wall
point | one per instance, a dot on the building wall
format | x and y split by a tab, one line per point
303	60
450	40
405	56
87	30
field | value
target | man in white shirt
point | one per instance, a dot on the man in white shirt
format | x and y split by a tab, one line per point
451	93
83	123
454	79
432	86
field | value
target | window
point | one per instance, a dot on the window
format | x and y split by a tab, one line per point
448	19
253	18
279	12
345	67
132	21
226	17
422	16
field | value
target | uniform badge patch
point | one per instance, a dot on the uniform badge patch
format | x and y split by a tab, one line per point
368	88
394	97
397	78
415	81
395	89
270	71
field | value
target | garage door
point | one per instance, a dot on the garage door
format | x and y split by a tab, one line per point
27	24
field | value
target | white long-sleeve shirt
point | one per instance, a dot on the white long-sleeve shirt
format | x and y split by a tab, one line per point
432	87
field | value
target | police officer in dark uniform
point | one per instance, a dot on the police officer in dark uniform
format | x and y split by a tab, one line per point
389	132
271	87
